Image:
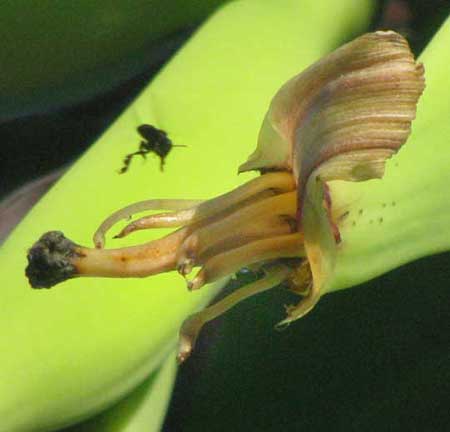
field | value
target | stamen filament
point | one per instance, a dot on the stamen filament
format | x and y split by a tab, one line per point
259	220
184	217
229	262
128	211
192	326
279	182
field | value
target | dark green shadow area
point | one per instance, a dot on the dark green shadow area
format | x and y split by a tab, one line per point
371	358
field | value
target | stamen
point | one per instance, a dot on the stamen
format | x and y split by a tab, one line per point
263	219
192	326
128	211
285	246
183	217
279	182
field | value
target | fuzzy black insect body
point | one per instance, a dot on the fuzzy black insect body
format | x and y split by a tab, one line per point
154	141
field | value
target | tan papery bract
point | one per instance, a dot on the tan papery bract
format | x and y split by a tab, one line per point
340	119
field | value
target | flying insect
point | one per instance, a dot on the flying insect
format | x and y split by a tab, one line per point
154	141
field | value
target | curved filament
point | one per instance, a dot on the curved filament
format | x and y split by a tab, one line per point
192	326
128	211
191	211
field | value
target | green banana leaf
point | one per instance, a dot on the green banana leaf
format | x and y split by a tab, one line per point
143	410
73	351
59	53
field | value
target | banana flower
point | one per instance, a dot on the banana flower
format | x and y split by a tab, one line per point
338	120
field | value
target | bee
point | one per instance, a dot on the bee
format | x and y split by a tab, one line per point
154	141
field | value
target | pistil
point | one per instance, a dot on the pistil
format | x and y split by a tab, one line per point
253	224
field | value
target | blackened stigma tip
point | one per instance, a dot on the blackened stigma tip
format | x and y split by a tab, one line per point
50	260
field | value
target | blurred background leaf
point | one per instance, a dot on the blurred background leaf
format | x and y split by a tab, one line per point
56	54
